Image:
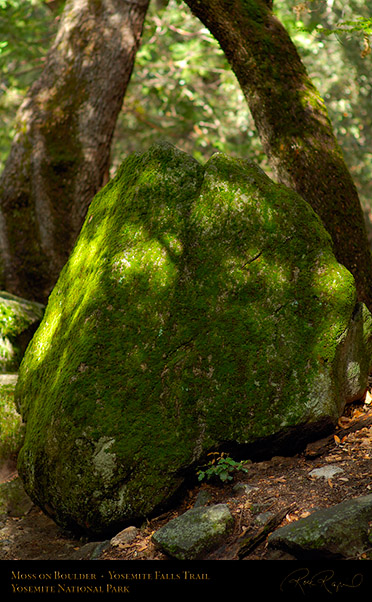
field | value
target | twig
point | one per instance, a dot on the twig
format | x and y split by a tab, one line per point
358	556
251	541
319	447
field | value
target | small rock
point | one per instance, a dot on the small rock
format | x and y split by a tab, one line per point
91	550
281	460
327	472
195	533
203	498
99	548
244	489
19	319
14	501
125	536
339	532
263	518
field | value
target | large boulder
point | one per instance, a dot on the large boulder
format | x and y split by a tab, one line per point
201	308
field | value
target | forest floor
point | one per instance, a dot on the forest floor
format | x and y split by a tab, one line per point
283	487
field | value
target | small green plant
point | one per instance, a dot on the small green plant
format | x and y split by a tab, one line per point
221	467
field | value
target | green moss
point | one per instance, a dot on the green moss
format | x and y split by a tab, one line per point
339	532
11	428
19	319
200	305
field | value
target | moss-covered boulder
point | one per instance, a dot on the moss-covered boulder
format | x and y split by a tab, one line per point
201	308
19	319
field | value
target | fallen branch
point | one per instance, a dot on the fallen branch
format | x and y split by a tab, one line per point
317	448
251	540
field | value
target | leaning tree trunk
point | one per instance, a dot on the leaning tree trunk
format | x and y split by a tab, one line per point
292	123
60	154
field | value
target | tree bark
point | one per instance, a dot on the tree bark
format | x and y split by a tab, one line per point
61	151
293	123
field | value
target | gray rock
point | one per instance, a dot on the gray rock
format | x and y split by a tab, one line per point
90	551
201	304
326	472
124	537
340	532
263	518
195	533
244	489
14	501
203	498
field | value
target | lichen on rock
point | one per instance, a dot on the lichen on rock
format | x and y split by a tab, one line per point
195	533
341	532
201	307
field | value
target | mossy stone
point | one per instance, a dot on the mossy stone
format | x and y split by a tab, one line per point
19	319
201	306
339	532
13	499
11	427
195	533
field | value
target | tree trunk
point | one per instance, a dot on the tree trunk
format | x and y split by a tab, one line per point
60	154
292	123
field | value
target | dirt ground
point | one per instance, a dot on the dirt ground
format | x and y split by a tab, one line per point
281	484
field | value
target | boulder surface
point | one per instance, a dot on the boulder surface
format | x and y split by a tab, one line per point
201	308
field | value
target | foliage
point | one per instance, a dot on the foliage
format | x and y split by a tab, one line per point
340	67
182	87
352	24
27	28
221	467
183	90
349	26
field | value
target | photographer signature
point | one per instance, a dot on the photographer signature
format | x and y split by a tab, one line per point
302	579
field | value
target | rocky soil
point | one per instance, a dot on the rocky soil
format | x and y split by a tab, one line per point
281	488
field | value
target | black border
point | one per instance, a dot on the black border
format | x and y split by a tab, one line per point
147	580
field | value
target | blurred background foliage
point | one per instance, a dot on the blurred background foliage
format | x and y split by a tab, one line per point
27	28
182	88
